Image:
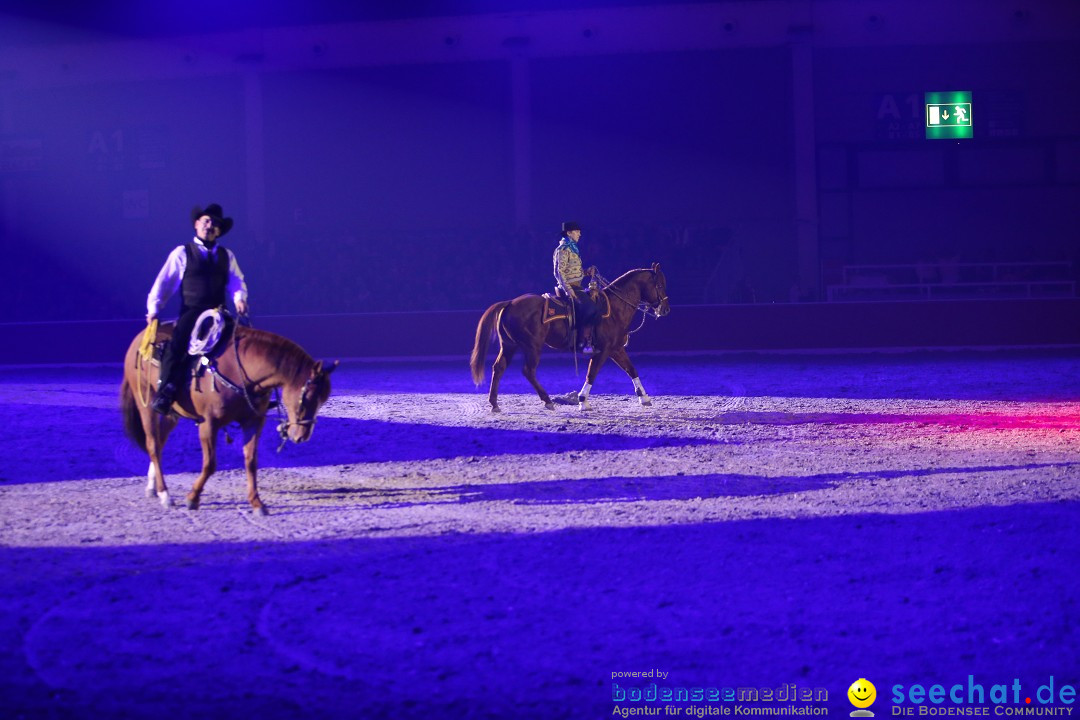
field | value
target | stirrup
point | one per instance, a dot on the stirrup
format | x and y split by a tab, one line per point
164	400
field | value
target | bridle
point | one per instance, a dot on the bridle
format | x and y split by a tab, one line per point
661	298
278	402
641	306
301	421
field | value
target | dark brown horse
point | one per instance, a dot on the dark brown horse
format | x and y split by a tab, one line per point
521	325
252	367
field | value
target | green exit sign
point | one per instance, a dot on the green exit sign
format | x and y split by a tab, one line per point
948	115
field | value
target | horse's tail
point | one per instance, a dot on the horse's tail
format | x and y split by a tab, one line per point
484	330
133	426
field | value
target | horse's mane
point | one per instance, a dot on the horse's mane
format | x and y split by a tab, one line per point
290	359
618	280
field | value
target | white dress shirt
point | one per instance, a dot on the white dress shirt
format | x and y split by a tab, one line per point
172	273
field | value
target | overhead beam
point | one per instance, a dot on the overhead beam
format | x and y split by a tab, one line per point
600	31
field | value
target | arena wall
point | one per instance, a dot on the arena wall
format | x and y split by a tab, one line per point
697	328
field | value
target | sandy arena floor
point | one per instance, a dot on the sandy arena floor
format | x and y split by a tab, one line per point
907	518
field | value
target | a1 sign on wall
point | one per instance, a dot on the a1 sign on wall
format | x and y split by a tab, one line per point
948	115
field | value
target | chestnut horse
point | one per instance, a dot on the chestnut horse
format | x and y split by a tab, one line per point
520	325
254	364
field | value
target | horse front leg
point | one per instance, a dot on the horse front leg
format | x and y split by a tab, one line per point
157	429
251	465
497	370
532	361
595	364
208	439
621	359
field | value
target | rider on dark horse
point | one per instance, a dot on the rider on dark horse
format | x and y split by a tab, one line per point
569	276
204	272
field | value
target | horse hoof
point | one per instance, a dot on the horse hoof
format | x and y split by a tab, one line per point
646	401
150	491
496	409
549	405
192	504
165	500
260	510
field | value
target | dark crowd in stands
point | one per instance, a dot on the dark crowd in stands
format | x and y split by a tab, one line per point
394	271
457	270
461	269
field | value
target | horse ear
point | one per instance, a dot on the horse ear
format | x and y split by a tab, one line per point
322	369
655	267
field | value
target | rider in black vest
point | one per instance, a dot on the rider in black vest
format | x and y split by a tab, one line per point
205	273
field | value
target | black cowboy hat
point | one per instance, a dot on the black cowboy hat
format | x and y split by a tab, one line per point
570	226
215	213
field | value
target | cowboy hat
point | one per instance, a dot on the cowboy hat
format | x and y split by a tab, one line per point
214	211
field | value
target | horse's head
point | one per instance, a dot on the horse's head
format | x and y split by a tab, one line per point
654	292
302	402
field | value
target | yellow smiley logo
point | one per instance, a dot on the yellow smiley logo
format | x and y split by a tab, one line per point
862	693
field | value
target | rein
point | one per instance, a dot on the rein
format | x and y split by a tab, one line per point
643	307
284	424
243	373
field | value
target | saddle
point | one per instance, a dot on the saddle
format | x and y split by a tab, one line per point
558	306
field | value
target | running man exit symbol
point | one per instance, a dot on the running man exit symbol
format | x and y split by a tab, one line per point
958	114
948	115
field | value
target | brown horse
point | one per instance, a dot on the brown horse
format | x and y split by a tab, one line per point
520	324
254	364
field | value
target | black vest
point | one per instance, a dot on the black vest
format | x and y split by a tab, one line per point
205	279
